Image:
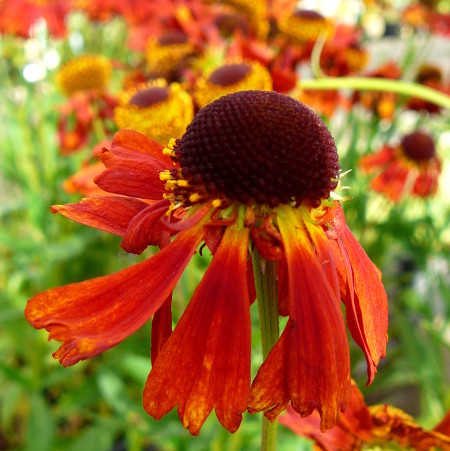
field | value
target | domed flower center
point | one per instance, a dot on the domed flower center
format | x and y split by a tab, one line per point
308	14
258	146
229	74
429	74
174	37
227	24
418	146
148	97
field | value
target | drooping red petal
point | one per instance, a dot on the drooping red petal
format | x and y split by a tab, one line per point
146	228
205	364
364	295
109	213
133	166
312	355
92	316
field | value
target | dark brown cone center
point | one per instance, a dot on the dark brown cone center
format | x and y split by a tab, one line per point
229	74
418	146
174	37
150	96
230	23
259	146
308	14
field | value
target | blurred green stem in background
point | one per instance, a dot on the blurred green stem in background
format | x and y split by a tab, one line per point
265	274
378	84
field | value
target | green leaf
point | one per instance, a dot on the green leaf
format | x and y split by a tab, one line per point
40	428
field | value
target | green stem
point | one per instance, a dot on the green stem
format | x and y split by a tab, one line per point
378	84
265	275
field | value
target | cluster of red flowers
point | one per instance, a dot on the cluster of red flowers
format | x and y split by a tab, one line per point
216	154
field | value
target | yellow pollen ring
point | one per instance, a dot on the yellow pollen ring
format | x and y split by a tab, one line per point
172	184
169	152
194	198
165	175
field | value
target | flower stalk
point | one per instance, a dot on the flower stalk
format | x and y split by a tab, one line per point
401	87
265	276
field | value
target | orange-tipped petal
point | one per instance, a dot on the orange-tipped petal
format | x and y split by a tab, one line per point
92	316
145	228
314	352
364	297
109	213
205	363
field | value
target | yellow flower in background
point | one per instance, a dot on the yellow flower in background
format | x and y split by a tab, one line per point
85	73
165	54
155	109
303	26
233	76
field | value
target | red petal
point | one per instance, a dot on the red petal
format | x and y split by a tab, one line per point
92	316
313	357
205	364
364	297
145	228
134	164
129	140
130	176
109	213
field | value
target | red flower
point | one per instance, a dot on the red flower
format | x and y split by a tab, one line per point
18	16
411	168
252	168
376	426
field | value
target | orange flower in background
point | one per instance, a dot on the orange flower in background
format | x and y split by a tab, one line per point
344	54
234	75
378	427
254	170
18	16
82	182
150	19
381	103
155	109
101	10
410	168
